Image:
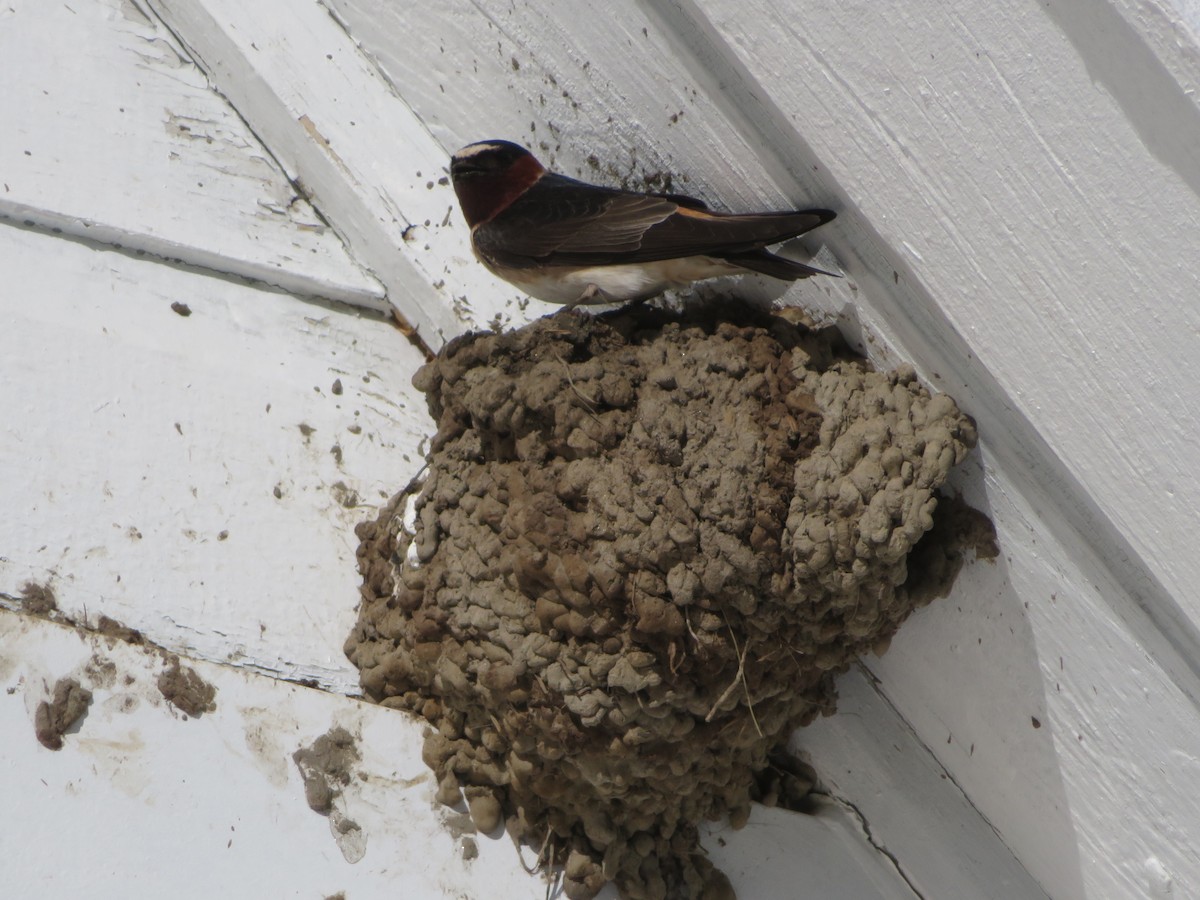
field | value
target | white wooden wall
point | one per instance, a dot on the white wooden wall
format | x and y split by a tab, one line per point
1018	188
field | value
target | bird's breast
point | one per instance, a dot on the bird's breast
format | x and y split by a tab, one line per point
618	283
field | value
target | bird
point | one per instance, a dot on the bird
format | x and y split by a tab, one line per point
569	242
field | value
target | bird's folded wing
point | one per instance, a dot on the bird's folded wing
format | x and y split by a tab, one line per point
565	222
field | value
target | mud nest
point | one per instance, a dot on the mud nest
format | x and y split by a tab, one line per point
645	545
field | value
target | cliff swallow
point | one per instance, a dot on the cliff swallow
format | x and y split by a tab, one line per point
569	242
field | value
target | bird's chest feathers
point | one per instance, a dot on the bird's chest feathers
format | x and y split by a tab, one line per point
617	283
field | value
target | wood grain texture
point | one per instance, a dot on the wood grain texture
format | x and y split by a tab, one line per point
1053	244
363	155
868	755
605	97
197	477
121	141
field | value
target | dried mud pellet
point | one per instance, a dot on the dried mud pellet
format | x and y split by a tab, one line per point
448	793
718	887
484	809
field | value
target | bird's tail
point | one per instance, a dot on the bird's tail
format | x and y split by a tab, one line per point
768	263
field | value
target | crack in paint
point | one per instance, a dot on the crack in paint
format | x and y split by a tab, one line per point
943	772
875	843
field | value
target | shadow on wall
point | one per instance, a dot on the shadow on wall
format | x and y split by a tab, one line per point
1153	101
968	667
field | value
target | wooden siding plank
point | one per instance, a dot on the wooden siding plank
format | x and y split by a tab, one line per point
113	135
197	477
1055	243
368	161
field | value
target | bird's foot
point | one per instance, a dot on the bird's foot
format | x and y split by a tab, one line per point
591	294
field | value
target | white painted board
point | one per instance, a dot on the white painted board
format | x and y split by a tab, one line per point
112	134
1065	732
144	801
198	478
365	157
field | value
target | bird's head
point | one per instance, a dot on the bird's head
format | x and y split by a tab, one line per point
489	175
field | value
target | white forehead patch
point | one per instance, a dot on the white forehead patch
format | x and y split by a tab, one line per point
475	149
